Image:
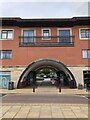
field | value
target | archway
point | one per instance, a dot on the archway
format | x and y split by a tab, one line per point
29	74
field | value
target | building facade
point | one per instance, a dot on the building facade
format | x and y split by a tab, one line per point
28	44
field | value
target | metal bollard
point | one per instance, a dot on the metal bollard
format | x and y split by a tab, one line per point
59	88
33	88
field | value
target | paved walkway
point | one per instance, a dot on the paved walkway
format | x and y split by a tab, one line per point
44	111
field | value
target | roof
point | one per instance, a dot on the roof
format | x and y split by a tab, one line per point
44	22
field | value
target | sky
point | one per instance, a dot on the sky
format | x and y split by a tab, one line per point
45	9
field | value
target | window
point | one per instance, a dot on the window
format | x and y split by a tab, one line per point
5	54
84	33
28	36
85	53
6	34
64	36
46	34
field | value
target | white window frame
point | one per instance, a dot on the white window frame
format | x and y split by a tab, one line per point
29	29
7	30
64	29
80	34
49	33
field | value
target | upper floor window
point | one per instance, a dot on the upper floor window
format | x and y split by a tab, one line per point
85	53
64	35
46	33
84	33
6	34
28	36
5	54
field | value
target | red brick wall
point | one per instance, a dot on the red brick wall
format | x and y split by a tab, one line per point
26	55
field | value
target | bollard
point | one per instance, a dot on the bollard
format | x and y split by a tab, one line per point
33	88
59	88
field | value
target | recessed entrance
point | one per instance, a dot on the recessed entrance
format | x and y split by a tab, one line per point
46	72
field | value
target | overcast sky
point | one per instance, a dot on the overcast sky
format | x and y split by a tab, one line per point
29	9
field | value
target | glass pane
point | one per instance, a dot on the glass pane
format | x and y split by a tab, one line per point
10	34
6	55
88	53
84	54
28	36
64	36
85	33
45	34
4	35
25	33
1	55
64	32
31	33
82	30
9	54
89	34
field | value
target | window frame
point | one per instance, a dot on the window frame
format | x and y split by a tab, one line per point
5	57
6	30
58	29
87	53
49	33
80	34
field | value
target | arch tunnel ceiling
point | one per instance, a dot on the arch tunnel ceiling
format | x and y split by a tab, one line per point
53	64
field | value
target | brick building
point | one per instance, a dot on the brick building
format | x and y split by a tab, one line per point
29	45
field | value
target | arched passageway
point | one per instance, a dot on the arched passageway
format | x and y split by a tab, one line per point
63	75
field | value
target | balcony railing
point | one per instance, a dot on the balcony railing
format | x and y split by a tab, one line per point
46	41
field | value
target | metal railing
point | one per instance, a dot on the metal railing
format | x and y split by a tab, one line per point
46	41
